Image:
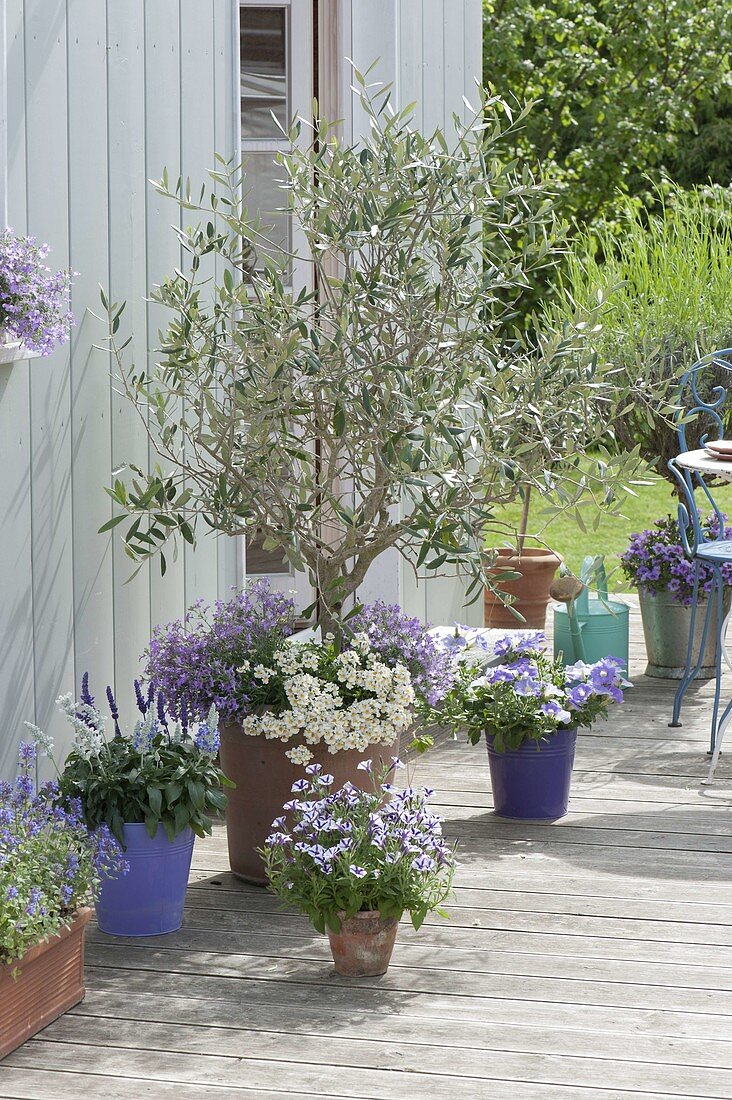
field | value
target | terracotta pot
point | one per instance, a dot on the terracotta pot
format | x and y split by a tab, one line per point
537	568
264	778
50	981
363	947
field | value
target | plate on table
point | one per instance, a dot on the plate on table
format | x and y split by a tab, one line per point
719	448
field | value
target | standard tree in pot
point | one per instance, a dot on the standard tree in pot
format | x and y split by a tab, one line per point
354	861
379	412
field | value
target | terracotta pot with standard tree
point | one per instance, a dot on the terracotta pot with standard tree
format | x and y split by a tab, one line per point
333	441
535	567
284	703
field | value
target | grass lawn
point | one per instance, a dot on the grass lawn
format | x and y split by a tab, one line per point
611	537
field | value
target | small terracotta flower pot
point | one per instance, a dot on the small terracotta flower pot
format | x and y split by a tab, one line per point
363	947
537	568
49	981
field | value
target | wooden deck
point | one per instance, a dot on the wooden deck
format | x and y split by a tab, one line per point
588	959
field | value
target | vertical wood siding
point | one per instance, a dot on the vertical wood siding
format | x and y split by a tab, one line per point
100	97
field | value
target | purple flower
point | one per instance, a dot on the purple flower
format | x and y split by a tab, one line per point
207	658
555	710
300	785
142	703
365	766
34	301
113	711
655	560
356	871
86	695
520	641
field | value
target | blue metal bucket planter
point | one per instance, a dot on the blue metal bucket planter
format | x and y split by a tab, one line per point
531	783
148	900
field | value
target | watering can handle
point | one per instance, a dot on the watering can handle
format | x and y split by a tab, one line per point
602	581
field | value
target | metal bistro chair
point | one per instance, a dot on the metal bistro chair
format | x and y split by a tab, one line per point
703	415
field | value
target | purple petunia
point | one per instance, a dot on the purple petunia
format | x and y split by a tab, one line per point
655	560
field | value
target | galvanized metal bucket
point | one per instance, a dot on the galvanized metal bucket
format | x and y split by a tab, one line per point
666	630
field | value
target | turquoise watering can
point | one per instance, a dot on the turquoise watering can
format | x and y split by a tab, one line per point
601	625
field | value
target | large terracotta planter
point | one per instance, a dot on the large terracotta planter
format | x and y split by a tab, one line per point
666	631
264	777
50	981
363	947
537	568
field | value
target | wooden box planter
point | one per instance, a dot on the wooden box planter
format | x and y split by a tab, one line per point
50	982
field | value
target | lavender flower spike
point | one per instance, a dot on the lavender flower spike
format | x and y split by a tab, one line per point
113	711
86	696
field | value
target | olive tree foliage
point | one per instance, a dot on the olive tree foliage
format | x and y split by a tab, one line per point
378	410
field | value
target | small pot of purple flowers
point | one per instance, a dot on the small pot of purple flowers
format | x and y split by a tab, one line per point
155	789
51	867
655	564
529	709
353	861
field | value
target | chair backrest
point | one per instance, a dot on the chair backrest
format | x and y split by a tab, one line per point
704	412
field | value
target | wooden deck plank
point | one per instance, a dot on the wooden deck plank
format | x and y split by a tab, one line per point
590	958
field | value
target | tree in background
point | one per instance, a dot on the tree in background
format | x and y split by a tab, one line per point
621	86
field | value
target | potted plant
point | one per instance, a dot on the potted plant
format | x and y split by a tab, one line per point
354	861
282	703
50	870
333	440
656	565
34	301
155	789
529	709
533	569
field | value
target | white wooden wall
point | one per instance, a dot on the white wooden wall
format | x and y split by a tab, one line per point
97	98
100	97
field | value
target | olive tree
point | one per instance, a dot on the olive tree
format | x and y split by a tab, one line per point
370	411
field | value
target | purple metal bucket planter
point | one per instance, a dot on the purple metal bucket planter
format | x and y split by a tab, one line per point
148	900
532	782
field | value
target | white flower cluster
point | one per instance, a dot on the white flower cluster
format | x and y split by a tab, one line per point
86	721
319	710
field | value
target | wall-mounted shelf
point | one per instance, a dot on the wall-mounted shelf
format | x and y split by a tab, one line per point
11	353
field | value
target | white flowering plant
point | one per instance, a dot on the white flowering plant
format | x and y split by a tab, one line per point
333	854
347	699
164	773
